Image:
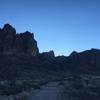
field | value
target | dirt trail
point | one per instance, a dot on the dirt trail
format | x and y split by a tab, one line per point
51	91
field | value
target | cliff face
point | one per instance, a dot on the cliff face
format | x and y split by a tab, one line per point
24	43
10	42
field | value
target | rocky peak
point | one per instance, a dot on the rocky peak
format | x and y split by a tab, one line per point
47	55
74	53
7	26
10	42
8	29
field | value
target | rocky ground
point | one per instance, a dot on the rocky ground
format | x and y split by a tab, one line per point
85	87
73	87
50	91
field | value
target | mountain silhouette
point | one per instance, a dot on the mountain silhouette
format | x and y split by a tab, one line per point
14	47
20	60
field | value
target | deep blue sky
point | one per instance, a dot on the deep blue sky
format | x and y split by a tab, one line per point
61	25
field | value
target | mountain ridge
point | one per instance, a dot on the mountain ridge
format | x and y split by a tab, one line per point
20	61
24	44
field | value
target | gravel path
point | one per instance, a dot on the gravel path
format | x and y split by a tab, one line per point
51	91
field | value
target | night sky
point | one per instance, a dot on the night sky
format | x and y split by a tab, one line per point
60	25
